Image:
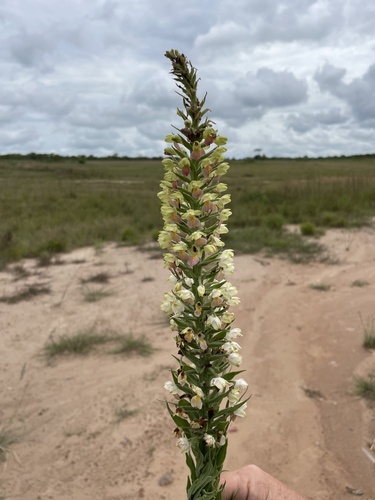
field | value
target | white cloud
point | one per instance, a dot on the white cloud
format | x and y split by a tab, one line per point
294	77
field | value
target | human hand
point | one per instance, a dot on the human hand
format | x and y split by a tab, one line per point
252	483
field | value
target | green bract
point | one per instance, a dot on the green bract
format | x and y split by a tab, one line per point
206	396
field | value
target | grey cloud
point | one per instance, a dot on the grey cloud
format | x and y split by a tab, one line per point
358	94
10	138
303	122
250	23
269	89
252	95
144	103
50	101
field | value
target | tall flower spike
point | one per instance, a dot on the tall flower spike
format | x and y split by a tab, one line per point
204	393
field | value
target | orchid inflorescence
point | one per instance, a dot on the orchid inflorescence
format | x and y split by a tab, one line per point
207	394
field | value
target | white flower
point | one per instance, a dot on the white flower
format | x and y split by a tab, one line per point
186	296
220	383
184	444
171	387
229	347
227	317
214	321
173	325
241	385
240	412
226	261
201	290
189	282
171	305
223	440
196	401
210	440
202	343
234	333
235	359
233	397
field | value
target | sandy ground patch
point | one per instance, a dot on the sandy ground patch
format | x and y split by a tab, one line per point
298	342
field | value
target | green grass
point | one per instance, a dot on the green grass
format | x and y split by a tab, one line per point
8	437
360	283
82	343
321	287
129	344
27	293
368	333
100	278
308	229
123	413
273	242
365	387
96	295
48	207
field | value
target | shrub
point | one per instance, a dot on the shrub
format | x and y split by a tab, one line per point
308	229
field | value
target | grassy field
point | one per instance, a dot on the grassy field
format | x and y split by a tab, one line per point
49	207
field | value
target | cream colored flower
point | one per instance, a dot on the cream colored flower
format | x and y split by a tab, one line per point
235	359
184	444
240	412
241	385
220	383
233	334
171	387
196	401
210	440
214	321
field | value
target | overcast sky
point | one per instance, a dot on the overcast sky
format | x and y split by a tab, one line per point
291	77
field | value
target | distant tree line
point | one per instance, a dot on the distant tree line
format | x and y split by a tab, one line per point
52	157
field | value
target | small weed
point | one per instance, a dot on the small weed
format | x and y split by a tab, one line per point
78	261
27	293
360	283
47	259
273	242
44	259
123	413
321	287
147	278
96	295
313	393
19	272
156	372
368	333
130	236
274	221
101	278
130	344
8	436
308	229
150	451
85	342
81	343
365	387
10	432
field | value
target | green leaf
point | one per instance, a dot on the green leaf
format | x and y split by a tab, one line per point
180	422
222	454
229	376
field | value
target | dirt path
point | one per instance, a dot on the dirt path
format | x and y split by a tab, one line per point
298	342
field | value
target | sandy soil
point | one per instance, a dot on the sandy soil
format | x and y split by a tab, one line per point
296	340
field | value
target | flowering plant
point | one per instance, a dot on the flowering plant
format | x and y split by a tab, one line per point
207	394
